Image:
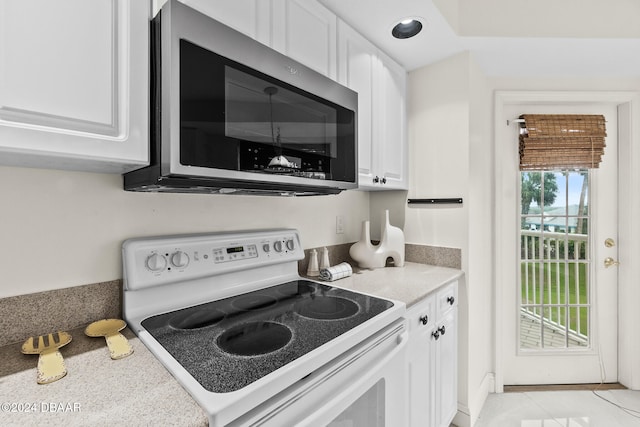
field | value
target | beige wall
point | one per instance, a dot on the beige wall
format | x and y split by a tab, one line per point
60	229
452	154
438	154
448	131
543	18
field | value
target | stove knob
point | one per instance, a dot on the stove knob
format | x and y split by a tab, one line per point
180	259
156	262
266	247
290	244
278	246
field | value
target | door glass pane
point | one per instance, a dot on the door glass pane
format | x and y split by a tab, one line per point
579	326
530	330
554	259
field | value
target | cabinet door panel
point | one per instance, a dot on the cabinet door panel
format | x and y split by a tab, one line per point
306	32
420	366
74	84
58	70
393	144
250	17
446	369
357	65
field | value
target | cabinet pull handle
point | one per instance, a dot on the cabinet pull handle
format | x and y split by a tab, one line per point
451	300
424	319
442	330
436	334
384	180
376	179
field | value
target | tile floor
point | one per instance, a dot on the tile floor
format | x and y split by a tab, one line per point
561	409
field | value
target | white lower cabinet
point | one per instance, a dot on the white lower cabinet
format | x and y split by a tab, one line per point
432	360
421	318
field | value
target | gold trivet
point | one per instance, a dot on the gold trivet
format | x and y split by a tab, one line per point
118	344
50	362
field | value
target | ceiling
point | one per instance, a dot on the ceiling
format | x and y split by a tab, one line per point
571	44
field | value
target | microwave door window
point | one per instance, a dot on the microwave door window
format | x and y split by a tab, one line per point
296	135
234	117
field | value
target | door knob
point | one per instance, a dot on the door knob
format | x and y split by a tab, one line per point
608	262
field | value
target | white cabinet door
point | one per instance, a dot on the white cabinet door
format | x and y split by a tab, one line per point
301	29
392	113
305	31
250	17
446	369
357	64
446	355
420	362
432	360
381	87
74	84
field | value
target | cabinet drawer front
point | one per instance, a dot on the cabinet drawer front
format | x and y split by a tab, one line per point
422	315
447	298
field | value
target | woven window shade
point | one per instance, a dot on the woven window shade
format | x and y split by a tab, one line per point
561	141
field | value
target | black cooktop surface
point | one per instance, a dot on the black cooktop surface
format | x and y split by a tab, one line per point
228	344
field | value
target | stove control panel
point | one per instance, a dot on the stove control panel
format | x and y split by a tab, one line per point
157	260
235	253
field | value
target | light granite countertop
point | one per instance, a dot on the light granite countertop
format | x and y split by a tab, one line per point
138	390
98	391
408	284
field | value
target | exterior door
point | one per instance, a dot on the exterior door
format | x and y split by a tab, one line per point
560	306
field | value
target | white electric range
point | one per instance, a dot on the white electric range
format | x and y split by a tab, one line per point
253	342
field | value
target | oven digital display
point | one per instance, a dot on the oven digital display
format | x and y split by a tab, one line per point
235	253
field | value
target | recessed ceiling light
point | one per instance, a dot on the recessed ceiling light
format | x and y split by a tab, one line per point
407	28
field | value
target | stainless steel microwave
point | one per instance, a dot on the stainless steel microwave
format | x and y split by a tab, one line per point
231	115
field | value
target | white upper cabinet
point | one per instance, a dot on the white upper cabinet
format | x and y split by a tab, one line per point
392	143
357	70
300	29
381	87
250	17
74	84
305	31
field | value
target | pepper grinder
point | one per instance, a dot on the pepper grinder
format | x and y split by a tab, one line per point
313	270
324	262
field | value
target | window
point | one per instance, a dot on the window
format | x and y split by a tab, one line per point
554	259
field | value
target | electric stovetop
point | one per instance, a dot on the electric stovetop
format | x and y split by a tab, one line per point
230	343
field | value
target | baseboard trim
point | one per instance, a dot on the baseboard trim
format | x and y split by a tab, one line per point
462	418
468	415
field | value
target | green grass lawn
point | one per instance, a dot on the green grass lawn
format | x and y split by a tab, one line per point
553	292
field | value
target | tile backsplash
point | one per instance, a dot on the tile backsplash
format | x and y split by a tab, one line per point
433	255
39	313
421	254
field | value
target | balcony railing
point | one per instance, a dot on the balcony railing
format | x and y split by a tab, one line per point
554	286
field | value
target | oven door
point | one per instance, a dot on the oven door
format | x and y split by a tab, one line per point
362	388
